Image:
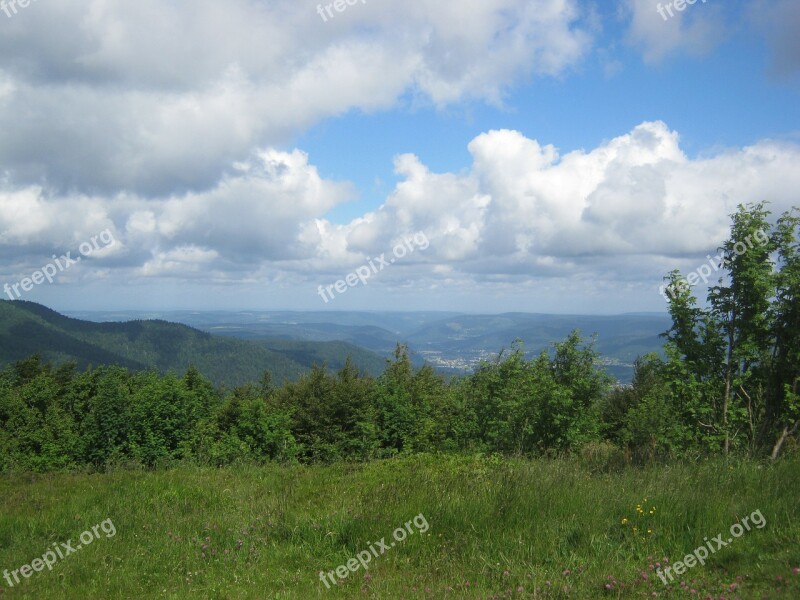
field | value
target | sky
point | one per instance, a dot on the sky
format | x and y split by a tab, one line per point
551	156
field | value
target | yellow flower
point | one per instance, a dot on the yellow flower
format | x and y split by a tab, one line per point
649	531
624	521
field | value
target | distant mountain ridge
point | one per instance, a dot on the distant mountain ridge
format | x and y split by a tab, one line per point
453	342
28	328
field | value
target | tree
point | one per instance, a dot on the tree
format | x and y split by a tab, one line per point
570	411
783	394
502	395
107	426
395	413
742	310
741	357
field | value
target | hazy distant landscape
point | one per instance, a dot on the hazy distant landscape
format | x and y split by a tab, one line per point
452	342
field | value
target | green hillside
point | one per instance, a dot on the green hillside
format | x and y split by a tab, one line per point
28	328
485	528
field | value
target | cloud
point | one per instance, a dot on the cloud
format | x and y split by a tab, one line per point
255	213
637	195
696	30
522	214
104	96
779	21
704	25
181	262
635	206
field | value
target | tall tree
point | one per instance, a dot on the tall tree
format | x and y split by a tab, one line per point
783	394
742	309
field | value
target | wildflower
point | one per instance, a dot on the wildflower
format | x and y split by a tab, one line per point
624	520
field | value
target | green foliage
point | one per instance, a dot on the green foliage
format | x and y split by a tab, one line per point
161	411
781	410
602	457
543	405
244	429
59	419
503	398
331	416
733	367
395	409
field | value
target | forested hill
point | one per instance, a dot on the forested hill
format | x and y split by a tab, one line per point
27	328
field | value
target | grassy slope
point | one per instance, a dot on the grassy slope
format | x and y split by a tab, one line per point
494	526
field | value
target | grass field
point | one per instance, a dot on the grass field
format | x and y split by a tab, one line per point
498	528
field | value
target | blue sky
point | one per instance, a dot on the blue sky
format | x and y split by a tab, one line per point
557	155
699	96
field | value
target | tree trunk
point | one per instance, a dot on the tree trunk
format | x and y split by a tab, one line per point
776	450
729	371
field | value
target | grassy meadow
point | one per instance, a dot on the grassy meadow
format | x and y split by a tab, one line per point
498	528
